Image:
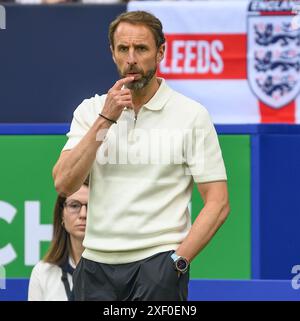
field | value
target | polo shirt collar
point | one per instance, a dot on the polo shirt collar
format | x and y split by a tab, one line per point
160	98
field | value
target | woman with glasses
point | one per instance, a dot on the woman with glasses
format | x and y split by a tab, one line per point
51	278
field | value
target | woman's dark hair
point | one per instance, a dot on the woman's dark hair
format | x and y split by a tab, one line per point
60	248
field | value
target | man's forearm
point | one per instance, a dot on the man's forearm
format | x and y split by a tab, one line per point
211	217
70	172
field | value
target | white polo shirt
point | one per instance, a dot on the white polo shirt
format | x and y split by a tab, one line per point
142	178
45	282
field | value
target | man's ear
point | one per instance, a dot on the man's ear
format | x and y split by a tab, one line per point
112	53
160	53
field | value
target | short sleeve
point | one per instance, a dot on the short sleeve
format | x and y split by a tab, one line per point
83	118
35	289
202	151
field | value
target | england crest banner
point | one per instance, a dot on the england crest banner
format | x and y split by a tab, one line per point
240	59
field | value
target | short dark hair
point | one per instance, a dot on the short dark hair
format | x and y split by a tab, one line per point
139	17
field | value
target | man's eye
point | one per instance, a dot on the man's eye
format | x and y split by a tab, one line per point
123	49
142	48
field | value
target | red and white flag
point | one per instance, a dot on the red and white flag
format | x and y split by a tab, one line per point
240	59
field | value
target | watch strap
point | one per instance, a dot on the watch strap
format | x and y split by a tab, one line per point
174	257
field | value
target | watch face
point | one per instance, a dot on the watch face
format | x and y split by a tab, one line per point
181	264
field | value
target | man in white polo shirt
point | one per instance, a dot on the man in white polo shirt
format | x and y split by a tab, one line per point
143	145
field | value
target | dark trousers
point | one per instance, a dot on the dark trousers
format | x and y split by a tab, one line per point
150	279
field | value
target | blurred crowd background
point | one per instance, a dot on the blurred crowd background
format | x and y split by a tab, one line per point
78	1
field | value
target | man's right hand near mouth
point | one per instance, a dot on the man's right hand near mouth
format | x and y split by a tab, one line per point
117	98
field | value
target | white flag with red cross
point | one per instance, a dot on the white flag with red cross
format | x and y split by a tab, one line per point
240	59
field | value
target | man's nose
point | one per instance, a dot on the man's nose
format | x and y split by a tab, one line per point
131	58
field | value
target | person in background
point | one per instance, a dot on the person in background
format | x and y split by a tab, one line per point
51	278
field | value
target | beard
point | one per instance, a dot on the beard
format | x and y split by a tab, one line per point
139	83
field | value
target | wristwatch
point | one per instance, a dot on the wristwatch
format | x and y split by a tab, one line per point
181	264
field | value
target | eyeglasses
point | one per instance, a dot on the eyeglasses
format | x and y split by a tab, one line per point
74	207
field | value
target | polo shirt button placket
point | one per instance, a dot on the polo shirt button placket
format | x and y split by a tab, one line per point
131	139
